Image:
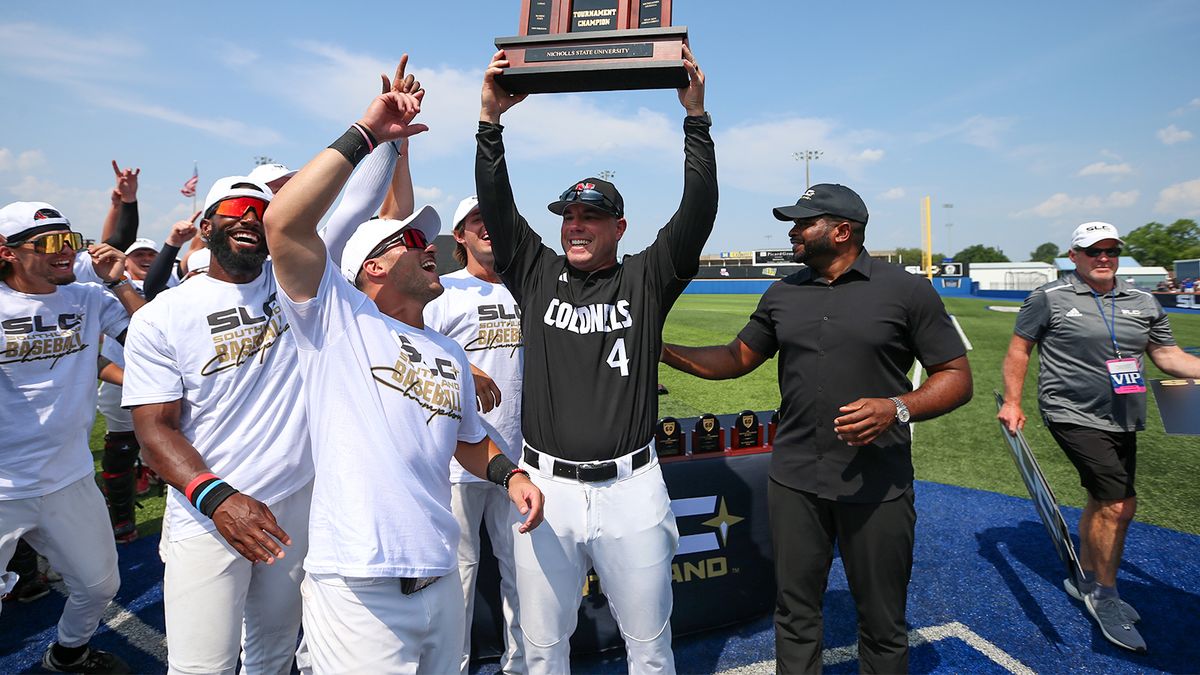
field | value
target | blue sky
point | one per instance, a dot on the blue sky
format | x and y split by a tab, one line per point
1029	118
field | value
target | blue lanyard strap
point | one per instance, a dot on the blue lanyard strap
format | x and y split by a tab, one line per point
1111	325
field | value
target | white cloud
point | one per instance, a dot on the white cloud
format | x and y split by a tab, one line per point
1173	134
24	162
1191	105
894	193
83	207
979	130
235	56
1106	169
1181	199
758	157
1062	204
104	72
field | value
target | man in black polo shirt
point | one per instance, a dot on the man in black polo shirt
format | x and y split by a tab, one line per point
847	329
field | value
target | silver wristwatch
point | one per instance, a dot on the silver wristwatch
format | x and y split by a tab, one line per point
902	415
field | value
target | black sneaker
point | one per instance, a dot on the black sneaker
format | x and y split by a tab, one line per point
28	589
92	661
1072	590
1113	624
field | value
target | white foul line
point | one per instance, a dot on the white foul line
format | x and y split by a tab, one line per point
126	624
916	637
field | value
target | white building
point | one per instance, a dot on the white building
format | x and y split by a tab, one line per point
1012	276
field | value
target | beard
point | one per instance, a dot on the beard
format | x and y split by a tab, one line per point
235	262
821	247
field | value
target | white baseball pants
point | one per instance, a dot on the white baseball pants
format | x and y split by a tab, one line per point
220	605
70	527
488	503
625	529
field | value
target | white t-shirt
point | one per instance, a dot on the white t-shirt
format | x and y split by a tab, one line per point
48	384
387	405
484	319
225	350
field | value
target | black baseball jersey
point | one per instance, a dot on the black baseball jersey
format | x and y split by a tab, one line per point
592	340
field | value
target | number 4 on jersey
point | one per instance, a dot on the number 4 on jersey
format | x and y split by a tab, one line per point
617	358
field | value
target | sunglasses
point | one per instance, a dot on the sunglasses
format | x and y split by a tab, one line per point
54	242
577	193
236	207
408	238
1093	252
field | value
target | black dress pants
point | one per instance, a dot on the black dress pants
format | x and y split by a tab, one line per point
876	544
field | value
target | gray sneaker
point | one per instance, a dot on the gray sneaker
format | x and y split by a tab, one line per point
1072	590
1118	629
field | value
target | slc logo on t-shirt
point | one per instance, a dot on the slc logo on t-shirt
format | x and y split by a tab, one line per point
434	387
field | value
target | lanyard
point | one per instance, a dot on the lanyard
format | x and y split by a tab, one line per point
1111	325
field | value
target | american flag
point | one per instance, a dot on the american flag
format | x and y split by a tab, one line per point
189	188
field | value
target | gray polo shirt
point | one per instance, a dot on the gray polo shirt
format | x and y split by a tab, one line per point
1064	318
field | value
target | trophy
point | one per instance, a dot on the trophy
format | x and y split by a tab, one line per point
708	435
747	431
668	437
594	45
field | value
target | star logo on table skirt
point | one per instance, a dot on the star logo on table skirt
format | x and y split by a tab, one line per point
722	522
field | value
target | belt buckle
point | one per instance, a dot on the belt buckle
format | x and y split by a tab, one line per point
594	472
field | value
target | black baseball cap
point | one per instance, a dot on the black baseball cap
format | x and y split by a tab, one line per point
593	192
826	199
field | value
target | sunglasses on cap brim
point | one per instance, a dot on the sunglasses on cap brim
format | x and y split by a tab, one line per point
591	197
236	207
54	242
408	238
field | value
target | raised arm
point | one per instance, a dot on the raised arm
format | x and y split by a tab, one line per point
497	206
687	231
298	253
159	275
399	202
125	225
718	362
367	187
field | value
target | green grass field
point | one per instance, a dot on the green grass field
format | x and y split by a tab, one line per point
962	448
965	447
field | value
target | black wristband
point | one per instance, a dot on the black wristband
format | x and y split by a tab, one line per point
499	468
353	146
215	497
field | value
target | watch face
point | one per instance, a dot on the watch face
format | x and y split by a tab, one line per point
902	415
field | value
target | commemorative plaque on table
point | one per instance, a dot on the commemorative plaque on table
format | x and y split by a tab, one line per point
668	437
594	45
747	431
708	437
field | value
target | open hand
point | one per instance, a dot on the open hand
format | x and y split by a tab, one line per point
692	96
250	527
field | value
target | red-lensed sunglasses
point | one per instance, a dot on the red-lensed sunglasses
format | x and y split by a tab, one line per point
236	207
408	238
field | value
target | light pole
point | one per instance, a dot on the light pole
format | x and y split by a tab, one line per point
607	175
260	160
807	156
949	225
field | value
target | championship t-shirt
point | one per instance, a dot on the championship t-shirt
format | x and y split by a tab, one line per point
225	350
48	384
484	319
387	405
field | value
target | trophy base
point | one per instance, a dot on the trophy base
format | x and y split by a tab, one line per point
645	58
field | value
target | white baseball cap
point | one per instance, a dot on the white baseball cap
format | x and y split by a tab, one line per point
266	173
223	189
1089	233
371	233
141	243
465	207
21	220
199	261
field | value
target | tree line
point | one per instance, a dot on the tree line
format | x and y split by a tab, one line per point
1152	245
